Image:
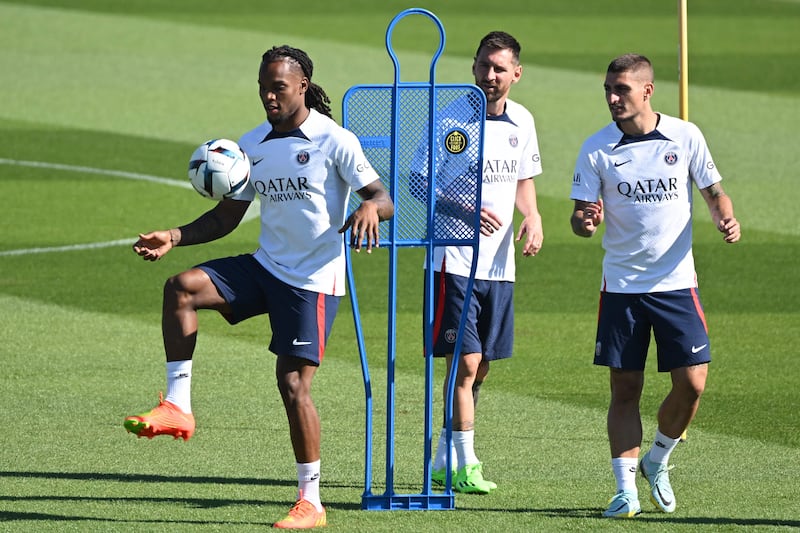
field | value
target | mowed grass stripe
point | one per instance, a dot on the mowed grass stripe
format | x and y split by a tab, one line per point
202	89
101	367
69	375
68	186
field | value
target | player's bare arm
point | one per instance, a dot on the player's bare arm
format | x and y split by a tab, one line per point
364	222
211	225
531	225
586	217
721	209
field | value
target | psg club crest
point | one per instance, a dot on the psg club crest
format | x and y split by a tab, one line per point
302	157
670	158
513	140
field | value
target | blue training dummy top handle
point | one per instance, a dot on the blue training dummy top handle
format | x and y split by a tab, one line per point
390	49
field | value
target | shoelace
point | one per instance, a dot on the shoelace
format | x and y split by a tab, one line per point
298	510
664	469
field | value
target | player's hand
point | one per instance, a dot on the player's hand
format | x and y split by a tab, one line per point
531	227
152	246
490	222
593	215
730	229
364	225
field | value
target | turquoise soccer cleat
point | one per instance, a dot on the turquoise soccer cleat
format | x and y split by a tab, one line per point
657	475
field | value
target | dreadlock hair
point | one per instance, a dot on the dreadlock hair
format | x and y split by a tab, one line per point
315	95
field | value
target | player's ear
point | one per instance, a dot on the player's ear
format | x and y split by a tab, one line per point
304	84
648	91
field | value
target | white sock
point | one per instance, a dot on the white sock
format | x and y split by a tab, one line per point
464	442
308	482
662	447
625	473
179	384
440	459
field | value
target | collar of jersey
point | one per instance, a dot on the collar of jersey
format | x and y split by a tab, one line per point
654	135
297	132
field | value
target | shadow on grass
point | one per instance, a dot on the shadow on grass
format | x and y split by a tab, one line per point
216	480
45	517
204	503
211	503
657	518
147	478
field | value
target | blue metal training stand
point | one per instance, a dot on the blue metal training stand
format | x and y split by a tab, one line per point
426	142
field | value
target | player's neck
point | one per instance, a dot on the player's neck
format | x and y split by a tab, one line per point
294	121
496	108
641	124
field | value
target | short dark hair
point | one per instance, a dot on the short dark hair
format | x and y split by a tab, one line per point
315	95
500	40
631	63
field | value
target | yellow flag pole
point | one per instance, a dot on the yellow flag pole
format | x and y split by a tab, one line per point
683	61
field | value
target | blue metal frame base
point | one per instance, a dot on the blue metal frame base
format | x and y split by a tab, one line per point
408	502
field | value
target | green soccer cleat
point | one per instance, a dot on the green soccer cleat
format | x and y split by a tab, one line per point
438	477
469	480
624	504
657	475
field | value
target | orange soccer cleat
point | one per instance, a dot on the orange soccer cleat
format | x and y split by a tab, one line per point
303	515
165	419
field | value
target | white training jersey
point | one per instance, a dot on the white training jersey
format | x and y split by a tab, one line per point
303	179
646	186
510	154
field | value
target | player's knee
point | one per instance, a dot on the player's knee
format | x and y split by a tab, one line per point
469	367
692	390
289	389
180	289
626	387
293	389
175	294
483	371
690	382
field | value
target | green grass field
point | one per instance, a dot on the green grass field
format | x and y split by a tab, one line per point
101	96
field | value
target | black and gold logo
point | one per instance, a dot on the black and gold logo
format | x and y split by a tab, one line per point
455	141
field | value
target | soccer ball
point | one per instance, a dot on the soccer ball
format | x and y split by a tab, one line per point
219	169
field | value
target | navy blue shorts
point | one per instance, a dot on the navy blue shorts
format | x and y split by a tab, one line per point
677	322
300	319
489	329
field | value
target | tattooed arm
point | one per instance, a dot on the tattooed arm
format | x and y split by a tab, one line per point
721	208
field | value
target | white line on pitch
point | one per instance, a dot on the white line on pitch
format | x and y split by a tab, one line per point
90	170
252	212
68	248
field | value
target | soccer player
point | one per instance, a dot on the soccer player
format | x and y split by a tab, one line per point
511	160
303	168
637	175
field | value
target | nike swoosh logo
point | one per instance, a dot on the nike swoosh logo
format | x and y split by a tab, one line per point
296	342
616	163
667	503
696	349
257	161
